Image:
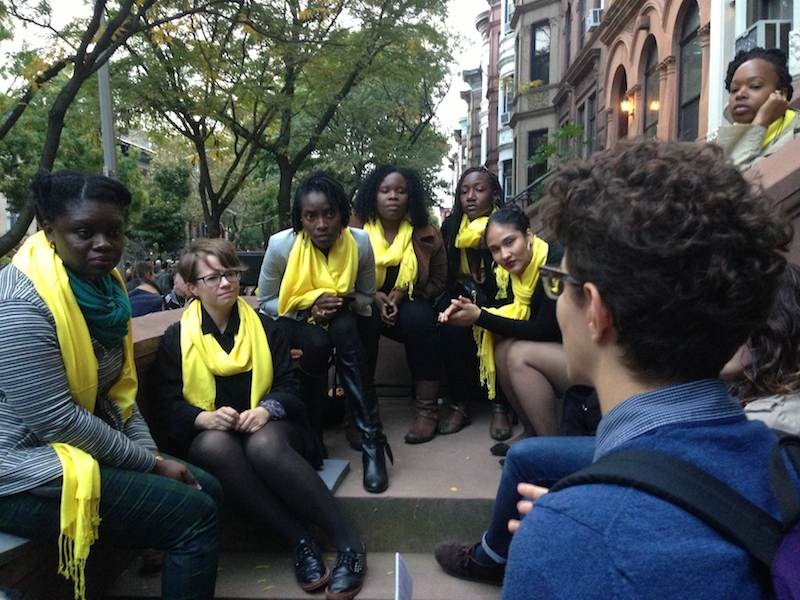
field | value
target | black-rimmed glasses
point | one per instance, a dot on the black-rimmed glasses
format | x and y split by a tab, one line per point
553	280
214	279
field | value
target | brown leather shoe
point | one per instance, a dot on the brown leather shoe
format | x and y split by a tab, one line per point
458	560
455	421
426	419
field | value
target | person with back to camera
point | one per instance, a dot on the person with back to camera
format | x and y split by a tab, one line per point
69	425
671	261
471	274
519	344
759	90
410	272
230	403
143	293
316	277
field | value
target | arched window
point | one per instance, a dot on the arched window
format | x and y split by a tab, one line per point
620	89
690	75
652	98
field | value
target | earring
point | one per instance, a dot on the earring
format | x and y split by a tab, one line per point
53	245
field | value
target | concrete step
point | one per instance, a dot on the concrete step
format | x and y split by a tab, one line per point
245	575
443	489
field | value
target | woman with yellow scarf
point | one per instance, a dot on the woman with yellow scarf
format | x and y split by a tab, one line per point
230	403
519	344
471	274
410	273
77	461
317	278
759	90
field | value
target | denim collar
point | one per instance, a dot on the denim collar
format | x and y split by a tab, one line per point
701	400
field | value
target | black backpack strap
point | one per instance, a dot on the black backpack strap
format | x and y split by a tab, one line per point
782	486
690	488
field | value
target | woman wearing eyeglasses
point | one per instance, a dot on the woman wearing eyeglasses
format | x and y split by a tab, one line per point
229	402
519	344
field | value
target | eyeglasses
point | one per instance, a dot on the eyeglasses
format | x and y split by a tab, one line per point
214	279
554	279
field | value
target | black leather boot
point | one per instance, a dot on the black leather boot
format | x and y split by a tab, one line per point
373	448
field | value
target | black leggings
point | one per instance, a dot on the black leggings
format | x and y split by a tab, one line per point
266	475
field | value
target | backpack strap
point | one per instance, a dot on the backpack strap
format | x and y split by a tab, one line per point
690	488
782	486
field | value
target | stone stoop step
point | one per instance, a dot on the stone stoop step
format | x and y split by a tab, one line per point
441	490
246	575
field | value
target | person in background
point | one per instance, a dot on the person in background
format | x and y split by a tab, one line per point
179	295
74	449
470	274
143	293
652	232
315	279
410	272
166	278
759	90
230	404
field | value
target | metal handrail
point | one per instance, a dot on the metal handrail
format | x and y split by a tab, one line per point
525	192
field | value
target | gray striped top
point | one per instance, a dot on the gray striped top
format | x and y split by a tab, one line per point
36	407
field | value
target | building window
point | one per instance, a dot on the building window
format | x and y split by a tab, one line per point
690	75
591	124
540	52
652	98
508	9
508	95
536	139
768	10
508	179
580	143
581	24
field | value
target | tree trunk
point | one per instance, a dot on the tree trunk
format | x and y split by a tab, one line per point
287	170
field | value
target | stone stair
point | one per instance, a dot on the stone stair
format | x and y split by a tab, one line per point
438	491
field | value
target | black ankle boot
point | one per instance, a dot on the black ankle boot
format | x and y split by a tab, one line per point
348	574
373	447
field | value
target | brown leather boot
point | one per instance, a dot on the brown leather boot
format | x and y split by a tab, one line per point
426	419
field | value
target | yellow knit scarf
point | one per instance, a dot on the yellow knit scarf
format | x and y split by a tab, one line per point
80	491
470	234
202	357
309	273
400	252
777	127
520	309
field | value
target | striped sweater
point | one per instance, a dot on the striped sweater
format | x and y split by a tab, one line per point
36	407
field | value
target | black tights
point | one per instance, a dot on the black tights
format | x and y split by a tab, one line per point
265	474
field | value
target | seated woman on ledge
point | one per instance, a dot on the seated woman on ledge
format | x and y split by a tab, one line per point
759	90
519	343
315	278
69	425
410	272
229	400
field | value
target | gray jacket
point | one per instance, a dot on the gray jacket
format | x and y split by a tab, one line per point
274	266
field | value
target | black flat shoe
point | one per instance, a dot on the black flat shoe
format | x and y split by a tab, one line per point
348	575
311	571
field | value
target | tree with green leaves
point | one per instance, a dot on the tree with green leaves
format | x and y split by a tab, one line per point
77	50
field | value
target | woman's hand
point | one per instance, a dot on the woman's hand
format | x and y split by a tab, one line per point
774	108
387	309
224	418
175	470
253	419
527	490
325	307
462	312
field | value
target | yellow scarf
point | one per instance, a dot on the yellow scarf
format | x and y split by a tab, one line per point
202	357
469	235
777	127
520	309
400	252
80	491
309	274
